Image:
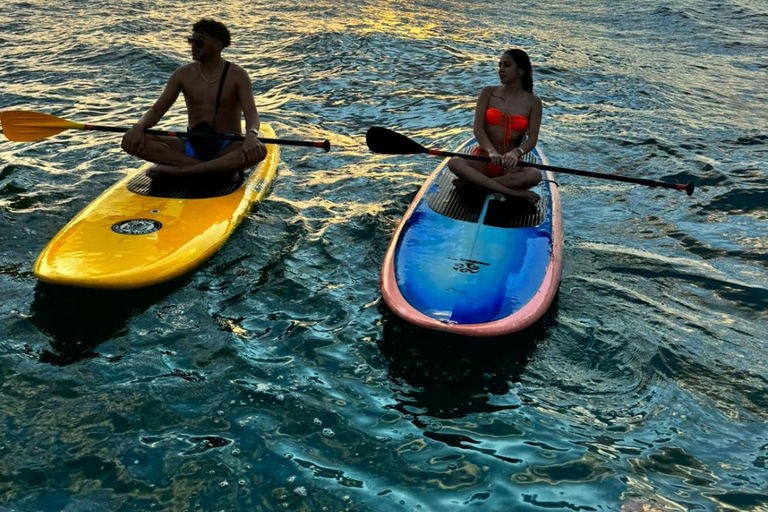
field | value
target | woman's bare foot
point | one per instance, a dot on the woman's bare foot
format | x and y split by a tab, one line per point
459	183
525	195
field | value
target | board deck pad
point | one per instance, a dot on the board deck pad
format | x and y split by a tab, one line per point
466	204
515	214
180	189
458	204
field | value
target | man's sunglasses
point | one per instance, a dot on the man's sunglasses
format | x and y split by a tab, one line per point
198	43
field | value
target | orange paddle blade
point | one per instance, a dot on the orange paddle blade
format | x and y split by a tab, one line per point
26	126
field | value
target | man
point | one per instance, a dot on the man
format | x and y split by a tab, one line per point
200	82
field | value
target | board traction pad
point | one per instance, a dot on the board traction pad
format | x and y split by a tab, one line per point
466	204
180	189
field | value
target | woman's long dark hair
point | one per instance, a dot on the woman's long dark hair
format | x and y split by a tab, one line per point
524	64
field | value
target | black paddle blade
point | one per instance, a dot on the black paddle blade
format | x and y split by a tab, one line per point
388	142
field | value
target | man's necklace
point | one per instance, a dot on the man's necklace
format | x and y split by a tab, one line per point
203	76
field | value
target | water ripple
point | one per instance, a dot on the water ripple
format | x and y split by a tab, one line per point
274	378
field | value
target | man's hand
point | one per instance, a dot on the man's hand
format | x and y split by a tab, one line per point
254	150
133	140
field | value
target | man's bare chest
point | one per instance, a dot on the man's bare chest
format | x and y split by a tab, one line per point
199	92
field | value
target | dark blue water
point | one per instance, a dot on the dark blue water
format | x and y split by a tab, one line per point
273	378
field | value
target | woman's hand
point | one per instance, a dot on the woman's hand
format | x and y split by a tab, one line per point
496	158
133	140
511	158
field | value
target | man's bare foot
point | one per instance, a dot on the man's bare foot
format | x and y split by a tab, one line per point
163	171
459	183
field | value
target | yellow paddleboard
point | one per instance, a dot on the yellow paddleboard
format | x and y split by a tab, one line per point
139	233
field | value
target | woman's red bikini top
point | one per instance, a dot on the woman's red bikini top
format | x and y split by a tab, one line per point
511	123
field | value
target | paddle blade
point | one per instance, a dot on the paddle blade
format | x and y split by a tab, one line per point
26	126
382	140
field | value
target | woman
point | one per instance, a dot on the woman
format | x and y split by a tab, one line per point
504	115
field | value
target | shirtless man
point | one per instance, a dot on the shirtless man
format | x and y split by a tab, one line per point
199	81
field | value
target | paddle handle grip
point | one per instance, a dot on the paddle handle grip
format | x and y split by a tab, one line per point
688	188
325	144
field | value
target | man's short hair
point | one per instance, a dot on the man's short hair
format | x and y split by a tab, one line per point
213	28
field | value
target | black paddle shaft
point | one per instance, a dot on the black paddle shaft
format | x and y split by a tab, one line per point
640	181
326	145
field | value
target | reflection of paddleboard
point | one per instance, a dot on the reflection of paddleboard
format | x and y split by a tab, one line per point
474	263
139	232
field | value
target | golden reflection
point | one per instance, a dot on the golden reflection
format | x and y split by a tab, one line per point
640	506
233	327
337	214
466	477
639	483
368	171
393	19
416	445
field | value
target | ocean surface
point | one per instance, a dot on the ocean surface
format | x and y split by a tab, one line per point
274	378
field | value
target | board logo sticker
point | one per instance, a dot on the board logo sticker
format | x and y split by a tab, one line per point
136	227
469	266
259	186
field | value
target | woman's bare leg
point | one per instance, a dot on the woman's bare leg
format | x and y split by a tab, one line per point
520	179
466	171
